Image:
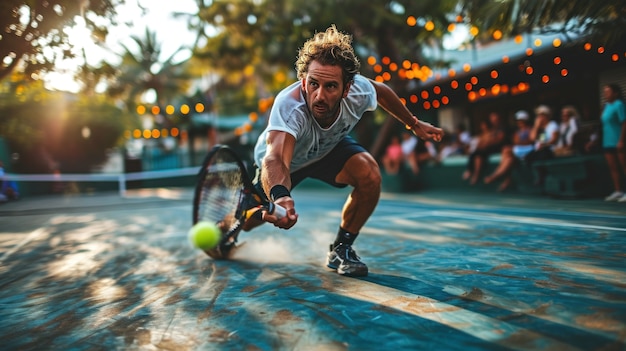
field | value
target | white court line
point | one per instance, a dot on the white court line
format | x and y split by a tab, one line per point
517	211
478	325
32	236
495	218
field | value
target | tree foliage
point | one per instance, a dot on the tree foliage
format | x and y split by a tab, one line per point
33	38
263	37
602	21
47	129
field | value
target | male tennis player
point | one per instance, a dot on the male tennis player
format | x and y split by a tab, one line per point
307	136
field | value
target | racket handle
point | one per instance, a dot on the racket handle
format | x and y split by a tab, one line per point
276	210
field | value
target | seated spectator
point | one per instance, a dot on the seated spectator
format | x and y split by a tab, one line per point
424	152
545	134
491	141
513	154
409	143
8	189
393	158
567	131
454	144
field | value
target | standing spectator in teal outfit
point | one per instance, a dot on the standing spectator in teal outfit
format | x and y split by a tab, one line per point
614	138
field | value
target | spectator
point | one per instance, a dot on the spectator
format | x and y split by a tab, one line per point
567	131
614	138
513	154
8	189
409	143
424	152
456	143
545	134
392	159
490	141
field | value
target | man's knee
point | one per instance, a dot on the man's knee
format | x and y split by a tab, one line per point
361	170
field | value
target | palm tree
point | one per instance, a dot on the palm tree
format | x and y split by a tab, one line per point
144	70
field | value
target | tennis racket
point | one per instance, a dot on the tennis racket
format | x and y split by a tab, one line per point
225	195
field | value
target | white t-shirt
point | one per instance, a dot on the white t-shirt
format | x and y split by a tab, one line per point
408	145
546	135
290	114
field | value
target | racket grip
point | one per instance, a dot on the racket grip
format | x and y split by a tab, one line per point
276	210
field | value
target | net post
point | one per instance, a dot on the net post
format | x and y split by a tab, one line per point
122	185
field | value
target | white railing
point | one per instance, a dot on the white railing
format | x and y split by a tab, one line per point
120	178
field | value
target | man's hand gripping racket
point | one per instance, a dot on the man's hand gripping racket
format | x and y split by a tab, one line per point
225	195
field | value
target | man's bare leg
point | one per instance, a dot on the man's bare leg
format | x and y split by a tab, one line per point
362	173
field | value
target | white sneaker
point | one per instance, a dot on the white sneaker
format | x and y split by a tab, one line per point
622	199
616	196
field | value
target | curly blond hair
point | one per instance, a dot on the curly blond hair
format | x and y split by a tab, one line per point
329	48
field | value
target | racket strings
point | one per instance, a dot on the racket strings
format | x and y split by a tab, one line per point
221	194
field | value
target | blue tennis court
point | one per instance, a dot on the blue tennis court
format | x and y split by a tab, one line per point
467	271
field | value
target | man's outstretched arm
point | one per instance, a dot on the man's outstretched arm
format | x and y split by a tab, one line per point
390	102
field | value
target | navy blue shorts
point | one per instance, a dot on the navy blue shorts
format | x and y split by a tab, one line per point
330	165
327	168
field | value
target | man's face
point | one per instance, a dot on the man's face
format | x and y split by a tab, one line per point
324	90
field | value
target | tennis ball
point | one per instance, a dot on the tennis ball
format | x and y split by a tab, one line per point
205	235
